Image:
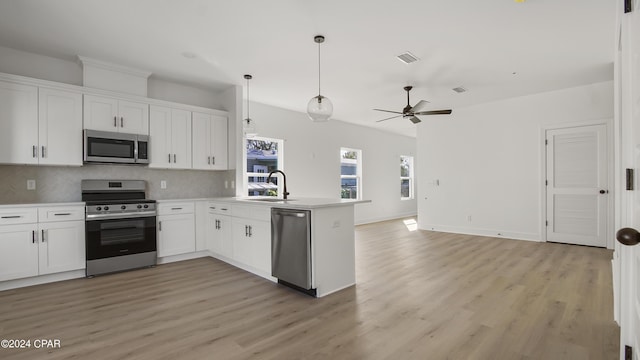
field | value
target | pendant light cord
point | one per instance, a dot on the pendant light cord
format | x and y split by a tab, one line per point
319	71
248	117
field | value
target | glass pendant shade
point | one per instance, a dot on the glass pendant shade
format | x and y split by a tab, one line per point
249	128
319	108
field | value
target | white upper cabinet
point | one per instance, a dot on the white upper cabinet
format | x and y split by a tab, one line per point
109	114
170	138
40	125
60	127
209	142
18	123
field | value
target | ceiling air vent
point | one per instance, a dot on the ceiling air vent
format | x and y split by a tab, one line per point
459	89
407	58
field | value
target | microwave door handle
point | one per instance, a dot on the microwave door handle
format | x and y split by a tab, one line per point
135	151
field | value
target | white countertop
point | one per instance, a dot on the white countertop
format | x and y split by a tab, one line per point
293	203
5	206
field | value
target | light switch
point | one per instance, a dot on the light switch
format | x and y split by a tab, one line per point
31	184
163	184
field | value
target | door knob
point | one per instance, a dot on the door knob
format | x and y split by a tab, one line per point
628	236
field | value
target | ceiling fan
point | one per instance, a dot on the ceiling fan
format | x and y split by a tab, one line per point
411	112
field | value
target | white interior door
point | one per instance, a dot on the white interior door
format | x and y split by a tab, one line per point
577	185
629	255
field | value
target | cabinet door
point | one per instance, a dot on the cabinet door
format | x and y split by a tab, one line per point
60	127
133	117
160	137
18	124
181	139
176	234
260	234
252	243
219	152
62	246
101	113
18	251
214	240
201	141
225	236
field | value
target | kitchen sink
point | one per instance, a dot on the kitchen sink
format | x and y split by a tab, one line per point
271	200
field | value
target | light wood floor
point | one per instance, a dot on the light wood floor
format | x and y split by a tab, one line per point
420	295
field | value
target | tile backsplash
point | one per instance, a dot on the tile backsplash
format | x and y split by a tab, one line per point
62	184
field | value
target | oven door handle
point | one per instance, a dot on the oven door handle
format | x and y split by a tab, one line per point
93	217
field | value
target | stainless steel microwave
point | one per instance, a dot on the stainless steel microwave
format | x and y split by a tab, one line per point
115	148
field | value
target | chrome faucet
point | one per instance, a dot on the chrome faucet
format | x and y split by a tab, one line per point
284	177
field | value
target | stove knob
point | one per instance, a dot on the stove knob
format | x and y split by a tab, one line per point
106	208
146	206
123	207
98	208
139	206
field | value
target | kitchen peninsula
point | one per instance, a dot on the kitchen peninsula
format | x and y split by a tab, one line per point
238	231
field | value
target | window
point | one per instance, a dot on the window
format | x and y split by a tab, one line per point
406	177
262	155
350	173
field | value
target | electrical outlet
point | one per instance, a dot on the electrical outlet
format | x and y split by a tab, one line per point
31	184
163	184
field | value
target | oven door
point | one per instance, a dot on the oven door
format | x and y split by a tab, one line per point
108	147
117	237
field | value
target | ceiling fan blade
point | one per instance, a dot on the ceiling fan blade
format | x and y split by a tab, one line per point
433	112
389	111
421	104
414	119
393	117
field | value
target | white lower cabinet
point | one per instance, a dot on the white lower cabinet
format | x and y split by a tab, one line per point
38	241
252	236
176	229
18	251
220	241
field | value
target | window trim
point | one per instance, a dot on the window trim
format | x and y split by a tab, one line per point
246	174
357	176
410	177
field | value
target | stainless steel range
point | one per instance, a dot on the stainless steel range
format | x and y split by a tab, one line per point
120	226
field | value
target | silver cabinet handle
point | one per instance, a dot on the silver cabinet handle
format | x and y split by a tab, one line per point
213	160
250	231
115	121
12	217
43	153
62	214
209	160
33	236
121	121
176	208
169	158
174	158
224	209
159	225
35	151
246	230
42	235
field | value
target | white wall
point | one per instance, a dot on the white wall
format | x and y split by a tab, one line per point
312	160
488	160
40	67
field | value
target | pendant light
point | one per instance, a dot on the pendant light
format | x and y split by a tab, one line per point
320	107
248	125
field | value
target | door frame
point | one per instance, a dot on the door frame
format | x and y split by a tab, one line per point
608	122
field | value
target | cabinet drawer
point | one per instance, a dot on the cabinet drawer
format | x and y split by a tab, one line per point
60	213
259	212
18	216
219	208
176	208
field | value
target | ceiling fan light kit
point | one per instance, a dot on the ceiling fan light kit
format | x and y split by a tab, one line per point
410	112
248	125
319	107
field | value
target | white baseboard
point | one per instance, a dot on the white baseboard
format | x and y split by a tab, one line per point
482	232
182	257
384	218
42	279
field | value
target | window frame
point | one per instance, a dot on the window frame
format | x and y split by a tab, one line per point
357	177
410	178
279	165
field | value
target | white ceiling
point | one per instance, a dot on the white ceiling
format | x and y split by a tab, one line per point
548	44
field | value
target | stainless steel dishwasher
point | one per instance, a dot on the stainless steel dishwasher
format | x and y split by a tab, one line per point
291	248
